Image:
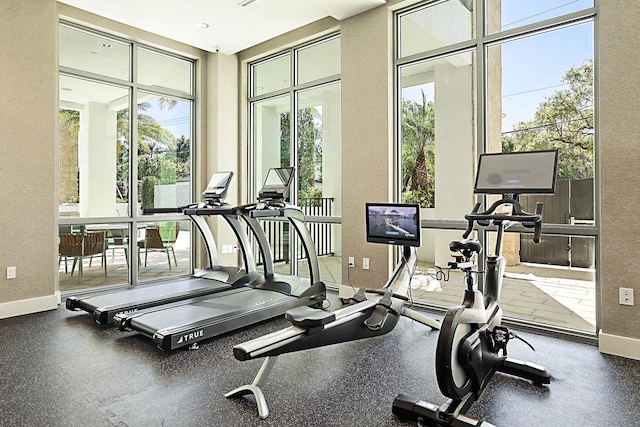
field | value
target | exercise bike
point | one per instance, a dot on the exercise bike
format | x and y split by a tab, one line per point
472	344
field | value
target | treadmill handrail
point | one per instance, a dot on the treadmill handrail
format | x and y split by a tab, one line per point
251	212
161	210
211	210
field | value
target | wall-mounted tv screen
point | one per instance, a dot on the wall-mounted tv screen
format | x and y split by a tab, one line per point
393	223
524	172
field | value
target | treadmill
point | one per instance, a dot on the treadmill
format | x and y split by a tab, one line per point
216	278
188	322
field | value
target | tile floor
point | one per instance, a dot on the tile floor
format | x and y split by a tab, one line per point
557	296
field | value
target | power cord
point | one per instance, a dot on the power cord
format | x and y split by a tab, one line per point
411	273
349	278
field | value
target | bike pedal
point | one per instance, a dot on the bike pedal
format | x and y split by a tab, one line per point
500	336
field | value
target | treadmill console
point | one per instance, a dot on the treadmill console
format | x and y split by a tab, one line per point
276	185
218	187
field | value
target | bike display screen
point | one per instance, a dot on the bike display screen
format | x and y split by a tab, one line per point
525	172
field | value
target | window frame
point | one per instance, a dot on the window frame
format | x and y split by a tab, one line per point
133	219
292	92
480	44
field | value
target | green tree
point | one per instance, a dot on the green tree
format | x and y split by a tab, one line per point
122	155
418	152
564	120
285	140
71	120
147	191
309	152
309	145
160	154
152	137
183	149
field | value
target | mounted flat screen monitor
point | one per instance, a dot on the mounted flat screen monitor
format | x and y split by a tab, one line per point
529	172
218	186
276	184
393	223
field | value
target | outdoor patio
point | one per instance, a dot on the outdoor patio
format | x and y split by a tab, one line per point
557	296
546	294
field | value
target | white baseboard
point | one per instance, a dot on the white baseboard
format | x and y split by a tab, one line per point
28	306
619	346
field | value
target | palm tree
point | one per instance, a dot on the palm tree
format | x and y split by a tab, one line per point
418	151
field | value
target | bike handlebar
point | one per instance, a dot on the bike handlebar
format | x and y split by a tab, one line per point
528	220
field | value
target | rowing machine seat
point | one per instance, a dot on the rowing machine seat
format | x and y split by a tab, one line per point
311	319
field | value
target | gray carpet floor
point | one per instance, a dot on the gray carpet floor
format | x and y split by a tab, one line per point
59	368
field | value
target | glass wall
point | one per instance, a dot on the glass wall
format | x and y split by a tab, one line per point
271	119
94	120
308	140
94	53
508	76
442	24
318	60
271	75
508	14
164	151
101	195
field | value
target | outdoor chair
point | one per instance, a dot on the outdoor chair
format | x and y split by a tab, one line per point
80	246
160	239
118	239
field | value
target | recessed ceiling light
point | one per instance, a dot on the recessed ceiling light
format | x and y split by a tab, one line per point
202	25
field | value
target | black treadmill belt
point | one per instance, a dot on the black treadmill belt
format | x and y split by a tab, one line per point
151	295
218	308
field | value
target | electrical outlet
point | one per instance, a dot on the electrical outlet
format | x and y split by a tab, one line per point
352	262
229	249
11	273
626	296
365	263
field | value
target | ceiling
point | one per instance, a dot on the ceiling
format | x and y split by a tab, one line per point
231	26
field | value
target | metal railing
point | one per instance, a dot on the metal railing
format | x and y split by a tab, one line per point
321	233
278	232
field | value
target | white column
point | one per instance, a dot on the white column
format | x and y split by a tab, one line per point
454	151
267	151
97	160
332	158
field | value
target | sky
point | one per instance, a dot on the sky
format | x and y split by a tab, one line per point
176	120
533	67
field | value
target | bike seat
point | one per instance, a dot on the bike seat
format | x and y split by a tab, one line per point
471	245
